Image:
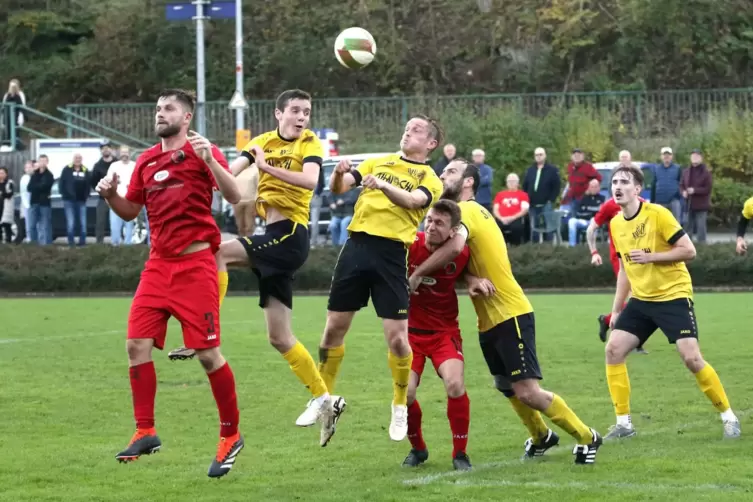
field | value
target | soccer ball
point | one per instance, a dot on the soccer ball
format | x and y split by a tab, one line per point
355	48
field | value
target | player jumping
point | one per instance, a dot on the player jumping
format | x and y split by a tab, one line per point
398	190
175	180
742	247
505	321
653	249
434	333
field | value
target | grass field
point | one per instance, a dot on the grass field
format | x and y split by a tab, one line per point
66	410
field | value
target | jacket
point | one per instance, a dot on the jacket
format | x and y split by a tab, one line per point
578	178
588	206
75	185
484	193
699	178
549	184
99	171
40	186
666	187
440	165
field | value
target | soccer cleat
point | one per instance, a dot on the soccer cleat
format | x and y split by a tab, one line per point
399	422
603	328
533	450
227	452
641	350
314	409
330	418
731	429
461	462
181	353
143	442
620	432
416	458
585	454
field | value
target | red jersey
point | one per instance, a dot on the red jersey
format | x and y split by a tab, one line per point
176	187
604	215
510	202
435	308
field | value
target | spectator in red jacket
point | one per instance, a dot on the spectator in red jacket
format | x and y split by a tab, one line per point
510	208
695	188
579	174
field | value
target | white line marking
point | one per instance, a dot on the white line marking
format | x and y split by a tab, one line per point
580	485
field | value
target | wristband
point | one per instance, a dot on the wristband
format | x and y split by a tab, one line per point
594	252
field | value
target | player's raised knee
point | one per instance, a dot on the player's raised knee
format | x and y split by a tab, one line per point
139	350
211	359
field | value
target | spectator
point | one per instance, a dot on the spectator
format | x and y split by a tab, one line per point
542	184
124	169
579	175
510	208
626	159
75	186
341	207
695	188
14	96
245	210
486	175
99	171
666	187
23	188
40	213
448	153
316	208
587	207
7	192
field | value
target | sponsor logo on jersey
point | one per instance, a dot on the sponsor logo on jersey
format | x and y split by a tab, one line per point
161	175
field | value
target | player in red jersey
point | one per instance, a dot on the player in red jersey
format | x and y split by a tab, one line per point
175	180
606	212
433	333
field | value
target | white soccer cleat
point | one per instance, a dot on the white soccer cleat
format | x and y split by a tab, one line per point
399	422
329	419
314	409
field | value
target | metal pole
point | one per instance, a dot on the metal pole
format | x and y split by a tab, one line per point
240	112
200	70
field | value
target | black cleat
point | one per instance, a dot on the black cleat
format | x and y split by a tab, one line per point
227	452
585	454
534	450
143	442
603	328
641	350
180	354
461	462
416	458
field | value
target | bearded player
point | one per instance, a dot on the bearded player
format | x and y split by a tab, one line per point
506	324
175	180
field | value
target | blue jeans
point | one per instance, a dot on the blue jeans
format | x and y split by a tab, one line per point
533	215
116	230
75	211
574	225
338	229
40	224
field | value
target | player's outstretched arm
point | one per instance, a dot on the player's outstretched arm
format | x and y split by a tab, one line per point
225	181
239	165
621	294
121	206
408	200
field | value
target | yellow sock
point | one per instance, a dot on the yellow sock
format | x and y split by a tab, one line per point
710	384
400	367
303	366
222	279
531	419
329	365
561	414
619	388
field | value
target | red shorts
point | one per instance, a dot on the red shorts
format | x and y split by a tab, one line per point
184	287
438	347
615	264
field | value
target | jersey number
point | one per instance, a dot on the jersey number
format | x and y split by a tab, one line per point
209	318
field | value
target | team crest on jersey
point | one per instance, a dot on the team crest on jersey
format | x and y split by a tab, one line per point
161	175
450	268
639	231
178	156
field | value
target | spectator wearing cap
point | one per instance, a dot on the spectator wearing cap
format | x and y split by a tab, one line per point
579	175
666	187
542	184
448	154
485	173
695	188
99	171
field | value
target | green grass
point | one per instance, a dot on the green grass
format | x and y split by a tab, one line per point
66	410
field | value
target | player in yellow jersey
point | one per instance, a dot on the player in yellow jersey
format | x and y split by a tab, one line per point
742	225
653	249
289	159
506	324
398	190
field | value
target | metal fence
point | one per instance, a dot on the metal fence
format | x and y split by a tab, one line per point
641	113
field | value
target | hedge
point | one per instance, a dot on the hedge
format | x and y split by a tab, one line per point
104	269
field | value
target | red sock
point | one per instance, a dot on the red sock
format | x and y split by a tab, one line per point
223	388
608	318
459	413
144	390
414	427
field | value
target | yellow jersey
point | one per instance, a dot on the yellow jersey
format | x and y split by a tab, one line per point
377	215
748	209
292	201
654	230
489	260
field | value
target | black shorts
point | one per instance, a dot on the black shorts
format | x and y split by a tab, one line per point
676	318
509	349
275	257
371	266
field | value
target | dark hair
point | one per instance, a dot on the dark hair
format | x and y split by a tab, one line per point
449	207
289	95
634	171
470	171
43	156
3	168
435	130
185	98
